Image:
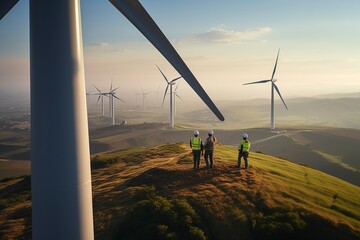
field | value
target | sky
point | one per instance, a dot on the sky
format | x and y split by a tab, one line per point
224	43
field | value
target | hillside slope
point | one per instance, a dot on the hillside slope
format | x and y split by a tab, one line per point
153	193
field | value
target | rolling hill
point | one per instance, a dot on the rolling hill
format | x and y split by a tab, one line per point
153	193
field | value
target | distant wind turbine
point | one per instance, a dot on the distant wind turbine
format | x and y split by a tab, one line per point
144	96
273	86
112	95
169	83
109	94
137	98
60	154
101	96
176	96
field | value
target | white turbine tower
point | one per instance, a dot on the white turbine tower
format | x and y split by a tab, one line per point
101	96
169	83
273	86
176	96
111	100
112	95
60	157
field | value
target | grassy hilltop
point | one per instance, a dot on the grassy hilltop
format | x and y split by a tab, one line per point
153	193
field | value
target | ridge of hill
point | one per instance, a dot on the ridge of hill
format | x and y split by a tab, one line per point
153	193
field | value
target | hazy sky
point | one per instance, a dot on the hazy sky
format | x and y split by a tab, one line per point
224	43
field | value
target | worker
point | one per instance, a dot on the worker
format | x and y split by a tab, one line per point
244	149
209	146
197	148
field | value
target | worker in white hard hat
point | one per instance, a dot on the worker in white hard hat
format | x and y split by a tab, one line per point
209	146
197	148
244	149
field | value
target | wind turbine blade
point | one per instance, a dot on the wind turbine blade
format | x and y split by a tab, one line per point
175	79
114	90
272	77
276	88
178	96
162	74
6	6
165	94
176	87
110	86
97	88
261	81
118	98
98	99
137	15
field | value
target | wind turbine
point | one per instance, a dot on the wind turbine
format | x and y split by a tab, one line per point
176	96
137	98
101	96
169	83
60	156
144	96
111	100
273	86
112	95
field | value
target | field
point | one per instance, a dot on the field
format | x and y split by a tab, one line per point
303	182
331	150
275	198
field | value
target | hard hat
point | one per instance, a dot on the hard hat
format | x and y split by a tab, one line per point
245	135
211	132
196	132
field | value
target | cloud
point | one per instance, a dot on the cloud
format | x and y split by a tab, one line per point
220	35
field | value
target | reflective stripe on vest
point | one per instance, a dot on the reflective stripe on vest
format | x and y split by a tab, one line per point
195	143
246	145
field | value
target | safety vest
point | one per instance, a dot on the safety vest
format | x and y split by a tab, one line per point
245	144
196	143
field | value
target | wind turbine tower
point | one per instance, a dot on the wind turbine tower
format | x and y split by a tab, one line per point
101	96
113	96
176	96
169	83
60	154
144	96
273	86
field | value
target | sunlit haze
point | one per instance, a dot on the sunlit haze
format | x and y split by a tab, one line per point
224	43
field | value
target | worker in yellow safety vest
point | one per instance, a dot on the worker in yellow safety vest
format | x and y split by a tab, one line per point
197	148
244	149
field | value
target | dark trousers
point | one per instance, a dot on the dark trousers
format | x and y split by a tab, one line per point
244	155
209	156
196	155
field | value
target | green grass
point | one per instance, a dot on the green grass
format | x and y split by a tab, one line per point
136	155
304	186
